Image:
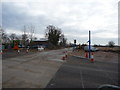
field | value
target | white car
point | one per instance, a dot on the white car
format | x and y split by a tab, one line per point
93	49
40	48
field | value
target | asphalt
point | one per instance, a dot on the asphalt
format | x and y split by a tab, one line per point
81	73
14	53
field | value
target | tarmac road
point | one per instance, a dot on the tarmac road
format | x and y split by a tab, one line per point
81	73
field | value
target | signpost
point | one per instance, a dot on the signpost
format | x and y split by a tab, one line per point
89	45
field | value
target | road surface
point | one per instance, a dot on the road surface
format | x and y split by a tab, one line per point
32	70
47	70
81	73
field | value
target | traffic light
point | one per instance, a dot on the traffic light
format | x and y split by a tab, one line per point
74	41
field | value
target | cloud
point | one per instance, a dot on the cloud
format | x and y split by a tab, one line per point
75	18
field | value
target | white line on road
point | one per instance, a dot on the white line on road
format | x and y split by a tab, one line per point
82	80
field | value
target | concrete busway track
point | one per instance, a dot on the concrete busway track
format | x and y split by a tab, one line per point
31	70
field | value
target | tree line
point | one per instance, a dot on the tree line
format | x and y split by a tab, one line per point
54	35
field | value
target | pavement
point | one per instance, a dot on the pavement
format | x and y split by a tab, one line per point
81	73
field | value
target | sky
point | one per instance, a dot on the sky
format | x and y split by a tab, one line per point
74	17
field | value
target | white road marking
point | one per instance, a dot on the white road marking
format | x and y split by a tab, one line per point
82	80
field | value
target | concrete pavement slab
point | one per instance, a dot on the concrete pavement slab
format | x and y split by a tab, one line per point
30	71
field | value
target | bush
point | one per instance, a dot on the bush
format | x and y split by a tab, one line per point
111	44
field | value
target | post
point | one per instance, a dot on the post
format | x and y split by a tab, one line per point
89	45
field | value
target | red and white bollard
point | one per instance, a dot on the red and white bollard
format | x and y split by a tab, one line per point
1	52
92	57
86	54
65	56
18	51
27	50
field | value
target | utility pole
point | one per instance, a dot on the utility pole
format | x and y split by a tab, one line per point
89	45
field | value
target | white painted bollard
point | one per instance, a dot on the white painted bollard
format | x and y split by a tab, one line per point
27	50
18	51
92	58
1	52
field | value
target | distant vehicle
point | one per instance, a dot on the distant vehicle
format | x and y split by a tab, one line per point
21	46
34	46
40	48
93	49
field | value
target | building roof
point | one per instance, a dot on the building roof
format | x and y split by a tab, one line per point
42	39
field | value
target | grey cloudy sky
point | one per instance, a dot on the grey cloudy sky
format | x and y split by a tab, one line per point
74	17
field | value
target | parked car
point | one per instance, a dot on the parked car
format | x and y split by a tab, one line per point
40	48
21	46
34	46
93	49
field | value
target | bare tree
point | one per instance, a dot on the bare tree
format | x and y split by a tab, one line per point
12	36
4	37
32	30
24	36
63	40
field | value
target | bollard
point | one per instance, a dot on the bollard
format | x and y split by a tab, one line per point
86	54
27	50
66	54
18	51
63	58
1	52
92	57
